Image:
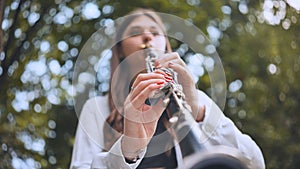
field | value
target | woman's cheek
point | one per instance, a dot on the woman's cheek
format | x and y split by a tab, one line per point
130	47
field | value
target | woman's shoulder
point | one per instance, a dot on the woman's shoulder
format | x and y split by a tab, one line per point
97	100
95	106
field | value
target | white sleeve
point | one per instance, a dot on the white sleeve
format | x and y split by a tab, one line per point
220	130
87	154
84	149
88	139
115	159
87	149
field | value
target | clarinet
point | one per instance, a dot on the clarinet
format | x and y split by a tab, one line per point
180	113
181	121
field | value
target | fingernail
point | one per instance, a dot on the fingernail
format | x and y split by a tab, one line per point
168	77
160	82
169	74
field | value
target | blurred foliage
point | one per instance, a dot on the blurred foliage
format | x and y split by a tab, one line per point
258	42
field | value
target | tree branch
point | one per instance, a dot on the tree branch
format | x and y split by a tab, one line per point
15	53
2	4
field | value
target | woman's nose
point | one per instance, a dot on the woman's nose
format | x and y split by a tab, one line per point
147	36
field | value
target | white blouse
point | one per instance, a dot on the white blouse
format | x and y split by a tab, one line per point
216	129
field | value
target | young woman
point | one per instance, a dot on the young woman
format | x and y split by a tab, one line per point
120	130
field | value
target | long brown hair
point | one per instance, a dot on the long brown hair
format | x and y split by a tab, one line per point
113	128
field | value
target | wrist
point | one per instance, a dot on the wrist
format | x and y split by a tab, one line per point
132	157
200	114
131	161
131	149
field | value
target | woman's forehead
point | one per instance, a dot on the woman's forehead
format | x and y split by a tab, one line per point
143	21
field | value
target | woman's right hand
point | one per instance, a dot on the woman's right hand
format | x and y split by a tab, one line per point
140	119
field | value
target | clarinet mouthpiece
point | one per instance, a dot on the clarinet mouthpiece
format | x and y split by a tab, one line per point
143	46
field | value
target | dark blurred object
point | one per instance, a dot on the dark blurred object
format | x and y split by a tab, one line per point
218	157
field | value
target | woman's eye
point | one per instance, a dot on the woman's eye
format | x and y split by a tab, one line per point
134	33
138	31
155	33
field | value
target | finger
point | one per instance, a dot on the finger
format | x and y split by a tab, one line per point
159	71
133	110
170	57
178	68
145	76
143	84
141	94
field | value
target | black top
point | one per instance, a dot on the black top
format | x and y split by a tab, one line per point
162	144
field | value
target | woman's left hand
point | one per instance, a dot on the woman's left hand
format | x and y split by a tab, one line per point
173	61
